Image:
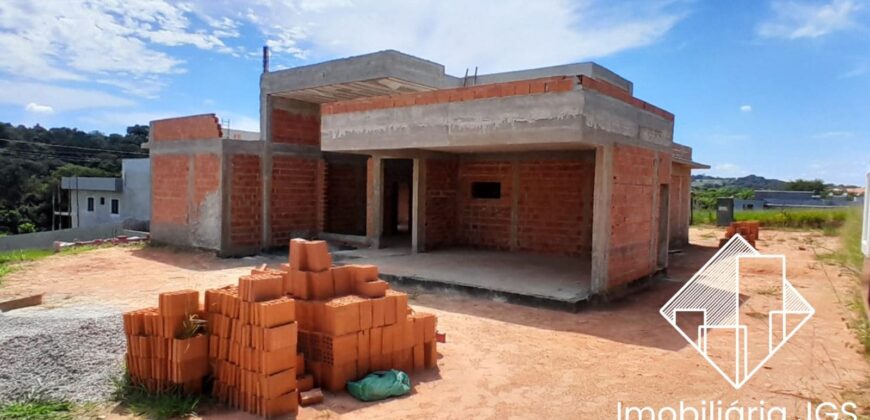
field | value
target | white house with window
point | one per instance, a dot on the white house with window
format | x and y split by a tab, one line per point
99	201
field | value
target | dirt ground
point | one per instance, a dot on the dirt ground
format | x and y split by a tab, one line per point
508	361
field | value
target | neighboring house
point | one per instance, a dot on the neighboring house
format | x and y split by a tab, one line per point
793	199
386	149
99	201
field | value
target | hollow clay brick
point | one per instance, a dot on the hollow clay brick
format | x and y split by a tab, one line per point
305	382
317	256
343	279
341	315
372	289
320	285
378	308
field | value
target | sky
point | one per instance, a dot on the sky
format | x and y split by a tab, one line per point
776	88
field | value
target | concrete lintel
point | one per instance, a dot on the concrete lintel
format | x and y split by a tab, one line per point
180	147
244	147
583	155
295	149
602	197
411	154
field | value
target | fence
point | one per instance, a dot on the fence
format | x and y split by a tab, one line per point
45	240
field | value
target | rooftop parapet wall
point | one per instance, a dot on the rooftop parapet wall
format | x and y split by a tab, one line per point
194	127
493	90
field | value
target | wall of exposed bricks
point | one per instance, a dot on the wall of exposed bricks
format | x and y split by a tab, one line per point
493	90
680	206
634	220
346	197
206	177
246	197
295	123
470	93
555	207
440	216
549	210
197	127
294	198
485	223
169	174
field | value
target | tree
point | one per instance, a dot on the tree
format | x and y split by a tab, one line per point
816	185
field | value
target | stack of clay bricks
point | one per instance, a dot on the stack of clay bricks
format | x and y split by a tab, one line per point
747	229
158	356
350	322
252	345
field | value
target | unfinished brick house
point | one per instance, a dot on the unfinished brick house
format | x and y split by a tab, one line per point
386	150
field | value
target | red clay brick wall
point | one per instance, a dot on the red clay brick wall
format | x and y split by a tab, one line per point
617	92
346	198
555	207
633	229
169	189
245	200
485	223
294	197
440	218
196	127
494	90
207	175
290	127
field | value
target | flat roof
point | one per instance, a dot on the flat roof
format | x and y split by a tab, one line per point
390	72
83	183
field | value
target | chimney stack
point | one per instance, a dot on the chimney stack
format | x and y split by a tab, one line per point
265	58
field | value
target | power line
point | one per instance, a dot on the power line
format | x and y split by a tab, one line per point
74	147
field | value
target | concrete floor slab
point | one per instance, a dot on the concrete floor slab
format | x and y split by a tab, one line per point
520	277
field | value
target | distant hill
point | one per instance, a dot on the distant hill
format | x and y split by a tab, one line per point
753	182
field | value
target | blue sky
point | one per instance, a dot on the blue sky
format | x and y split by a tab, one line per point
777	88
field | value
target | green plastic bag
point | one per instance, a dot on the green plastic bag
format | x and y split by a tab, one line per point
380	385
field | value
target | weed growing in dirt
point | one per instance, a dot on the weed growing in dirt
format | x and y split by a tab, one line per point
9	260
850	257
164	405
37	409
829	220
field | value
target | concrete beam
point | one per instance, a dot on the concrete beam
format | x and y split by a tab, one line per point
553	120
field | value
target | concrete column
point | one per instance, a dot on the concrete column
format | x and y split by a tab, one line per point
602	197
515	204
375	201
266	169
418	207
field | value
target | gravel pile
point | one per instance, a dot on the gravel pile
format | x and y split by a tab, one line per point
62	353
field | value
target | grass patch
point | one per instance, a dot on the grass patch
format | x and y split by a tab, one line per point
164	405
849	257
10	260
37	409
829	220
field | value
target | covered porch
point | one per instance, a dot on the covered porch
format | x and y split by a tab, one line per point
559	282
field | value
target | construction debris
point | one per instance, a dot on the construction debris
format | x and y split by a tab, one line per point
280	333
23	302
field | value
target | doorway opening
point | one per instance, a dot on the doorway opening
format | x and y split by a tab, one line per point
398	193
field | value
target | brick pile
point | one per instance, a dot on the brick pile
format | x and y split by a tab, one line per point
156	358
252	345
747	229
350	322
279	333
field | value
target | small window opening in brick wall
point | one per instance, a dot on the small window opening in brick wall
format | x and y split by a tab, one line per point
486	190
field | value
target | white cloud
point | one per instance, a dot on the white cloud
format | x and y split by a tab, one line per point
745	108
60	98
38	108
835	135
507	35
794	20
116	42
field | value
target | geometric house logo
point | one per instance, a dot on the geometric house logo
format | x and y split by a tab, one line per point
738	310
